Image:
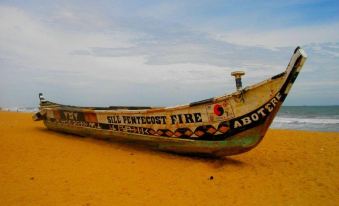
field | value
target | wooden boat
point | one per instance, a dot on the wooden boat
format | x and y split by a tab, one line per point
220	126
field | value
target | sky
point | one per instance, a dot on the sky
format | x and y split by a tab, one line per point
162	53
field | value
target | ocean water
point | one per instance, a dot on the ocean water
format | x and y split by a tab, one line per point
318	118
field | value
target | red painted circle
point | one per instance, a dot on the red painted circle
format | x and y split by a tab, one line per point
218	110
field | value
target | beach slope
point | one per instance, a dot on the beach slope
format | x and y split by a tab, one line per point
41	167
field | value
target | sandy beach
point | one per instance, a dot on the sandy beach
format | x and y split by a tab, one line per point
41	167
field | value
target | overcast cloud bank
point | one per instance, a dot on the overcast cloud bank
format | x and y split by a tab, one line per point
82	54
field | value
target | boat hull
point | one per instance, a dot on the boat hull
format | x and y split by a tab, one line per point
238	143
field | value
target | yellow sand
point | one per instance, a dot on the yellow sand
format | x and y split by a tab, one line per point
40	167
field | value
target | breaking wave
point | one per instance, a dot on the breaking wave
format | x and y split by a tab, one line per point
317	124
287	120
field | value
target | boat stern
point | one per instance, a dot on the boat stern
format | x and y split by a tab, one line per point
37	116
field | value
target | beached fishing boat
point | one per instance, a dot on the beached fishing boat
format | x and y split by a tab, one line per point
220	126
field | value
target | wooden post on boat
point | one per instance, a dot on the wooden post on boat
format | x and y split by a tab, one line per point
237	75
41	98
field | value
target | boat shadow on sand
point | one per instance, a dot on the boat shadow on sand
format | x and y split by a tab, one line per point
134	147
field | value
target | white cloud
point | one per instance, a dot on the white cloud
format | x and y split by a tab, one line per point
37	53
86	59
25	35
283	37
